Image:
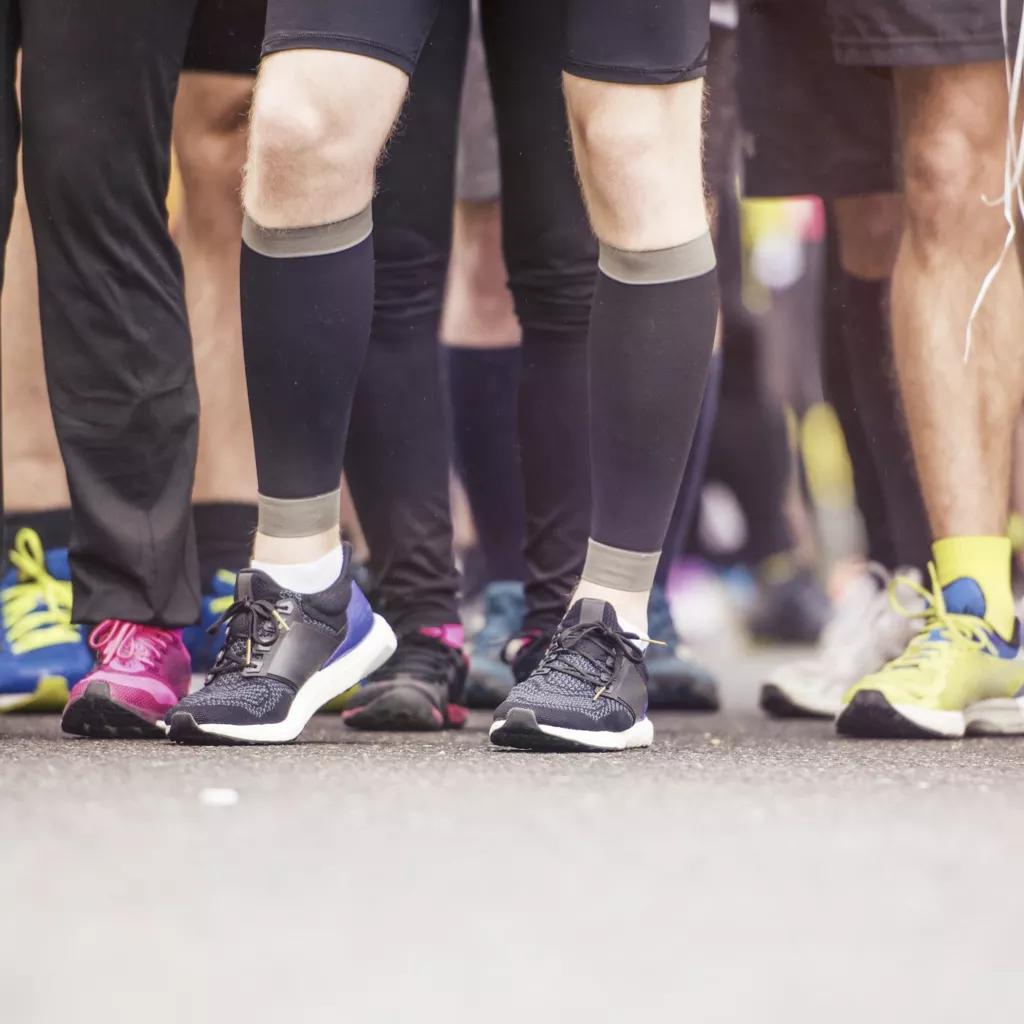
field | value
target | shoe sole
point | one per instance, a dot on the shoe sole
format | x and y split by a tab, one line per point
870	715
49	697
520	729
996	717
776	703
329	683
399	709
97	715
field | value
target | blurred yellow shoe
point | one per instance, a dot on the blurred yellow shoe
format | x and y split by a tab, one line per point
956	675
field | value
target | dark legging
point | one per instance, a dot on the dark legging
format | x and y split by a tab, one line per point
397	459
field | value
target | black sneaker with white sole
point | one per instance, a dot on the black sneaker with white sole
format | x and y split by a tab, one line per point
285	655
421	688
588	693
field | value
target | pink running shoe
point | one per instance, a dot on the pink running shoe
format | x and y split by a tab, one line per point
141	673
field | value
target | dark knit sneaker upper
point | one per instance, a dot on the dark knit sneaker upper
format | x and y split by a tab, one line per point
592	677
276	639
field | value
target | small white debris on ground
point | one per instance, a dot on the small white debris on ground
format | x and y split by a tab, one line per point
218	797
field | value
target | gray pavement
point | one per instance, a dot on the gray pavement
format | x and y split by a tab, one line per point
740	871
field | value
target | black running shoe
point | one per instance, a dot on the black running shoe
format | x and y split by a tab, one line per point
419	689
524	653
285	655
676	680
588	693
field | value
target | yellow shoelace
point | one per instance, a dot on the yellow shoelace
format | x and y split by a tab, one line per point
219	605
37	609
941	626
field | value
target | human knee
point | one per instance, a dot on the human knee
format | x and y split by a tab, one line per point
869	229
314	142
948	168
209	134
638	149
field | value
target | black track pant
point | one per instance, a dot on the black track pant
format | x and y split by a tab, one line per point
98	84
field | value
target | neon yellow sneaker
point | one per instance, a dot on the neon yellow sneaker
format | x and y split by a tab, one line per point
42	655
955	675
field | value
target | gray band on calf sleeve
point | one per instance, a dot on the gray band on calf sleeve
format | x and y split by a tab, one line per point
299	517
659	266
319	240
620	569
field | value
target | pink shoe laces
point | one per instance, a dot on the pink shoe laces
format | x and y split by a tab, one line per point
130	647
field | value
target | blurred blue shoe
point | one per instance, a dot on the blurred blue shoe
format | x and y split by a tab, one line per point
676	680
202	646
490	678
792	607
42	655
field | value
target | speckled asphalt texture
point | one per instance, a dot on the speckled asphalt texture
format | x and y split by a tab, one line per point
741	870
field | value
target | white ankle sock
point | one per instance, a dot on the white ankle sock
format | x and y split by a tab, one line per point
630	605
305	577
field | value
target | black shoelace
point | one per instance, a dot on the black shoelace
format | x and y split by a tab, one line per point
608	641
250	623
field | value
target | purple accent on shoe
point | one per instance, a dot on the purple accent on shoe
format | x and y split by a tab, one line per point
451	634
360	622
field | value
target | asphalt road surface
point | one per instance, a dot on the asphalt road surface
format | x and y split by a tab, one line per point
741	870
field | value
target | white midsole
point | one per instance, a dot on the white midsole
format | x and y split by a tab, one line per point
999	716
639	734
349	670
805	699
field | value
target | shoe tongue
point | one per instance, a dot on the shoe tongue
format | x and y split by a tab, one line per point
964	597
253	585
589	609
57	564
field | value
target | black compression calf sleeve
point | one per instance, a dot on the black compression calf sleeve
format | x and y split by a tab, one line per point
867	344
484	384
556	469
307	305
650	346
861	385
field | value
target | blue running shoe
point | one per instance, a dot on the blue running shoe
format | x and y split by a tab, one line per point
490	677
676	681
42	655
201	643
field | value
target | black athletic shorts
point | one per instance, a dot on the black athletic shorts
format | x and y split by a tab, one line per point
812	126
633	41
898	33
226	36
